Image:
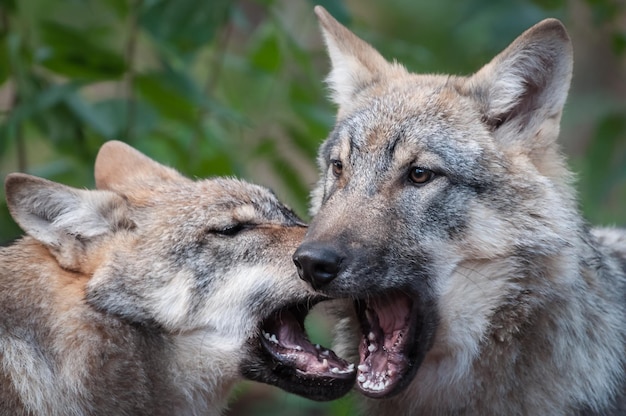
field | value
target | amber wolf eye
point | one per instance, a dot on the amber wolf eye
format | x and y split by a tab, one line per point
421	176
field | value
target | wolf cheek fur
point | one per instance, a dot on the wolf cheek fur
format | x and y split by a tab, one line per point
445	215
150	295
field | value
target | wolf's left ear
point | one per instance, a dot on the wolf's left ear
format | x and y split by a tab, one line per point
355	64
121	168
66	220
523	89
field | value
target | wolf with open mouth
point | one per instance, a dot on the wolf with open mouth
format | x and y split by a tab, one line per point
153	295
445	218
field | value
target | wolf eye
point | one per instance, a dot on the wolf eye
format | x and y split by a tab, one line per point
229	230
337	167
420	176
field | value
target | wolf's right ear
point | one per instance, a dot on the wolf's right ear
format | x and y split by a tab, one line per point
65	219
355	64
120	168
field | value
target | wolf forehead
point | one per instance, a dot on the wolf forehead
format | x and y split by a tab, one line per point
429	122
210	197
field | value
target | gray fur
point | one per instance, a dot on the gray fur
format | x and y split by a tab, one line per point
529	302
132	299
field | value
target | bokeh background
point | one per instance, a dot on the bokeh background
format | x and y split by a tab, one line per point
221	87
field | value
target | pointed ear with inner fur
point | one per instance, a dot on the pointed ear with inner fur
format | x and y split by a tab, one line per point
522	91
355	64
66	220
121	168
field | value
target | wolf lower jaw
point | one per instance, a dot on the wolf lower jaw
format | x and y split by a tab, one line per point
459	374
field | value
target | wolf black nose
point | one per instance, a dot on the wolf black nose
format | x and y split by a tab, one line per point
317	264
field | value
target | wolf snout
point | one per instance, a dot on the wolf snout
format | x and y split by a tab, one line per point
318	263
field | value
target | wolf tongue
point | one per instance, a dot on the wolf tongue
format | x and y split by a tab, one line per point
388	318
286	341
286	328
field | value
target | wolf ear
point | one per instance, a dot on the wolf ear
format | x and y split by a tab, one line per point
355	64
120	168
64	219
523	89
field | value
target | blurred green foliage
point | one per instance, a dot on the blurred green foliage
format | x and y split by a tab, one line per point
227	87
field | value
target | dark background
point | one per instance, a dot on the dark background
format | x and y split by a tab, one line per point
220	87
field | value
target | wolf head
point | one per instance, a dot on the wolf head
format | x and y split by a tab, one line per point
205	262
424	180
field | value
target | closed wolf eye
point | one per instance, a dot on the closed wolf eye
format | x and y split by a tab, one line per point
229	230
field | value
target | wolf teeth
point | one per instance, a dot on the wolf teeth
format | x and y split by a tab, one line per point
375	381
363	367
371	348
348	370
371	336
370	385
272	338
380	386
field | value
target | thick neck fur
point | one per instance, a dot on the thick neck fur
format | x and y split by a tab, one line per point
60	356
551	325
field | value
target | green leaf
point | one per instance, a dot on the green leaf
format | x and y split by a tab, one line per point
618	43
76	53
118	113
183	25
173	94
606	147
10	229
120	7
5	69
36	106
8	5
266	54
90	116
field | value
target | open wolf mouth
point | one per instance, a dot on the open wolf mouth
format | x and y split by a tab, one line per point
397	332
287	359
